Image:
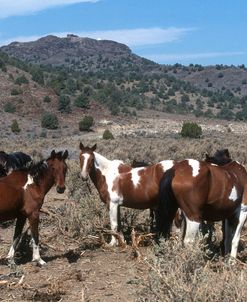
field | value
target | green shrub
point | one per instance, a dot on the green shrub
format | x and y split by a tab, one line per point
16	91
64	104
49	120
15	127
86	123
81	101
107	134
9	107
192	130
21	80
46	99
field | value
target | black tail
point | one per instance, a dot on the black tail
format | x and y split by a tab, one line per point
167	205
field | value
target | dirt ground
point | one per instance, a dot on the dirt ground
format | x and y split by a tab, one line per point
71	273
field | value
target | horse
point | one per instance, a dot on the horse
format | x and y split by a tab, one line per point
119	184
22	195
13	161
205	191
220	157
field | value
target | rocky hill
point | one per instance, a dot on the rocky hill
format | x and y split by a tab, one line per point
83	71
82	54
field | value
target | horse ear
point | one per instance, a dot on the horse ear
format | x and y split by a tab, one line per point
94	147
65	155
207	157
81	146
53	154
227	153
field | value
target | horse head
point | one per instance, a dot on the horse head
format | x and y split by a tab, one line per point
220	157
59	168
86	160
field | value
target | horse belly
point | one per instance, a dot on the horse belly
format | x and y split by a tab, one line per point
140	201
10	205
219	211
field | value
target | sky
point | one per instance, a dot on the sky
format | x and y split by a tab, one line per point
205	32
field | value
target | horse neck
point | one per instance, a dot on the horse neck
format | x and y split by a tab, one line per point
46	181
102	168
100	165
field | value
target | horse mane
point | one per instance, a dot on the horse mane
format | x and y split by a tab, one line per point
36	170
220	157
138	164
13	161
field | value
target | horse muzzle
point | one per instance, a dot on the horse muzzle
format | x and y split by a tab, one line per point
60	190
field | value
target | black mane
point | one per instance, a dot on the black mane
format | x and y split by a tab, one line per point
13	161
36	170
220	157
137	164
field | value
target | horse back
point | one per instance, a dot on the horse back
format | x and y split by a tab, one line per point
191	183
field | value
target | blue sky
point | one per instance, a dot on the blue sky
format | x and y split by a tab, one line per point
185	31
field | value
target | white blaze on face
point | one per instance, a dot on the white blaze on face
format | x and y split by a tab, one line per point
195	165
234	194
29	181
167	164
84	167
135	177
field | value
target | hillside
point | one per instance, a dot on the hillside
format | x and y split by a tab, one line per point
85	72
81	54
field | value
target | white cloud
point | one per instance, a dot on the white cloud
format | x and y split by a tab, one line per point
25	7
165	58
130	37
140	36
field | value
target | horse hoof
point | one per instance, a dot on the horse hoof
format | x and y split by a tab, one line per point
39	262
12	265
232	261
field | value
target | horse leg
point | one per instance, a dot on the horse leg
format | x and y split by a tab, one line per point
192	228
151	215
236	237
229	230
114	215
34	223
20	222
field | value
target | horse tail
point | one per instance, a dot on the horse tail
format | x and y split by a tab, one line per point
167	204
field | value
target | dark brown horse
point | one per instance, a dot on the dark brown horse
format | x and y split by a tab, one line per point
205	191
13	161
22	195
119	184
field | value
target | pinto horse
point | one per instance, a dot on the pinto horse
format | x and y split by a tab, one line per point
205	191
13	161
119	184
22	195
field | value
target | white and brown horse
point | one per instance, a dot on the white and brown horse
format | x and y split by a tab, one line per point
205	191
119	184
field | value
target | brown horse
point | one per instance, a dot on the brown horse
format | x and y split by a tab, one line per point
22	195
119	184
205	191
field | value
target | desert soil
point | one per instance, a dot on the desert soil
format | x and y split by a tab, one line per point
72	273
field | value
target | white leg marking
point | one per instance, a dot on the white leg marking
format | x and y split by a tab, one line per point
11	252
36	254
84	173
114	221
234	194
29	181
135	177
195	165
192	228
236	237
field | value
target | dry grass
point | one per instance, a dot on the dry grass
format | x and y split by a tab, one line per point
175	273
185	274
